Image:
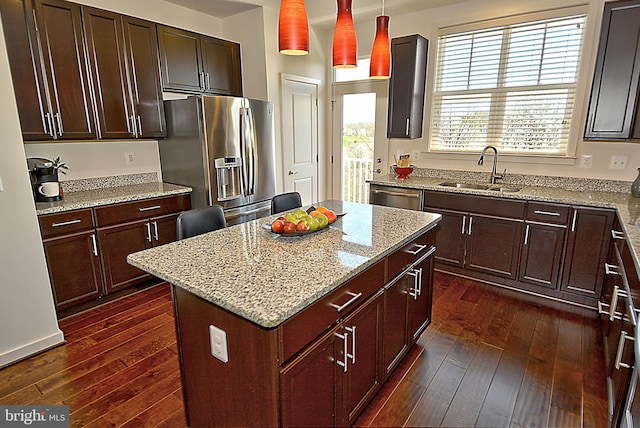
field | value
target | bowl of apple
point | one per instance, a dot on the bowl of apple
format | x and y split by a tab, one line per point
301	222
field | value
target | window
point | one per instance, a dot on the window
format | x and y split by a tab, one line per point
511	86
360	72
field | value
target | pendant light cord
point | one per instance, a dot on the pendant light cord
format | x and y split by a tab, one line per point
382	7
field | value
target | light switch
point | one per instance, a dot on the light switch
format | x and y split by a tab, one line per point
218	339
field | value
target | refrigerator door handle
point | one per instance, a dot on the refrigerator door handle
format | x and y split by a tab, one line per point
251	149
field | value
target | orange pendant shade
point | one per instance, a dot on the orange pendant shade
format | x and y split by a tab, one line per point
379	67
345	44
293	28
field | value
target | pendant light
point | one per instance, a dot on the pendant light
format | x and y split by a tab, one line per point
293	28
345	44
379	67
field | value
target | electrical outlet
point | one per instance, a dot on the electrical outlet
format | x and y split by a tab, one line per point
586	161
618	162
218	339
130	158
415	155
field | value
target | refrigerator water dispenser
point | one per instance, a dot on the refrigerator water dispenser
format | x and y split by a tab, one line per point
229	177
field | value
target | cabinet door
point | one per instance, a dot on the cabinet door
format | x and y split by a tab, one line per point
614	95
493	245
542	254
364	374
587	247
107	58
26	71
420	300
221	65
406	87
163	229
59	25
74	268
116	243
141	42
309	386
450	239
180	60
395	322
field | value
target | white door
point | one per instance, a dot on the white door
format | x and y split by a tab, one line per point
360	146
300	136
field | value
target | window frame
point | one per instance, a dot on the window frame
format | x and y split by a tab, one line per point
580	98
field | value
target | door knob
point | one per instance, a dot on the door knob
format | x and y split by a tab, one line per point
293	173
378	171
379	160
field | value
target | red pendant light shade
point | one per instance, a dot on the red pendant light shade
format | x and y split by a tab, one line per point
293	28
379	67
345	44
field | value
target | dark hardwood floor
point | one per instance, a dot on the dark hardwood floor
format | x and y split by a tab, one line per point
487	359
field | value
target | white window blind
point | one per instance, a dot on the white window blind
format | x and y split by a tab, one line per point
511	86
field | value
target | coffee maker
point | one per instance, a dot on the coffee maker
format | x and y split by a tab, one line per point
44	179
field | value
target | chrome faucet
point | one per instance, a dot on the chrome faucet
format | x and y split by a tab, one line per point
494	176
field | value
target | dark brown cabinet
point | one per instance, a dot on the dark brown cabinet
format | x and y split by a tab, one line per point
51	80
407	86
483	234
587	247
70	247
134	226
544	236
195	63
613	108
122	53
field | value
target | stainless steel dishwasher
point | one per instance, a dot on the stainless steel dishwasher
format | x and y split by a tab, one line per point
397	197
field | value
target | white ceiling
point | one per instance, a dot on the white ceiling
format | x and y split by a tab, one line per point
321	13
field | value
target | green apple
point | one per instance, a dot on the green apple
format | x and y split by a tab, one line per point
323	220
313	223
292	217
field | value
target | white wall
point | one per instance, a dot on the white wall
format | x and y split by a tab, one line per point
27	315
427	23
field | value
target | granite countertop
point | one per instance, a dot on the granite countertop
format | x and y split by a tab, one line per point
109	195
268	278
626	206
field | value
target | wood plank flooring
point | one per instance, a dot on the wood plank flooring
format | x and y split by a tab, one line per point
487	359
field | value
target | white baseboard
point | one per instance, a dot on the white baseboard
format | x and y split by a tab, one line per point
32	348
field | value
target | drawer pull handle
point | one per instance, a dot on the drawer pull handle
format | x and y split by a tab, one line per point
343	363
610	269
353	299
419	248
148	234
155	207
156	235
617	293
551	213
623	338
66	223
617	234
402	194
415	291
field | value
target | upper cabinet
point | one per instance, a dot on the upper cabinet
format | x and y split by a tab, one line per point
613	109
123	57
196	63
406	88
46	53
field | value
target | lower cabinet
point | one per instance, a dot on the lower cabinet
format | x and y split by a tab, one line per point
332	382
86	262
587	247
70	247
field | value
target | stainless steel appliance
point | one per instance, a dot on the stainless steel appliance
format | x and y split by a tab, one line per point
397	197
222	147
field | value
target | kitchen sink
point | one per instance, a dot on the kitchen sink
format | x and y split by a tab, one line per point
465	185
475	186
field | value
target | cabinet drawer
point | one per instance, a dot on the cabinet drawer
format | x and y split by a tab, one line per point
65	223
548	213
139	210
408	254
300	330
475	204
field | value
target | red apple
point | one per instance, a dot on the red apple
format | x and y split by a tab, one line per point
289	228
277	226
302	226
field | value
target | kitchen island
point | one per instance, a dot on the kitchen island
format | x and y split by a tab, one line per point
300	330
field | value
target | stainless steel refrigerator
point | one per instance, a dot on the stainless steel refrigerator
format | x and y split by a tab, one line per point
222	147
